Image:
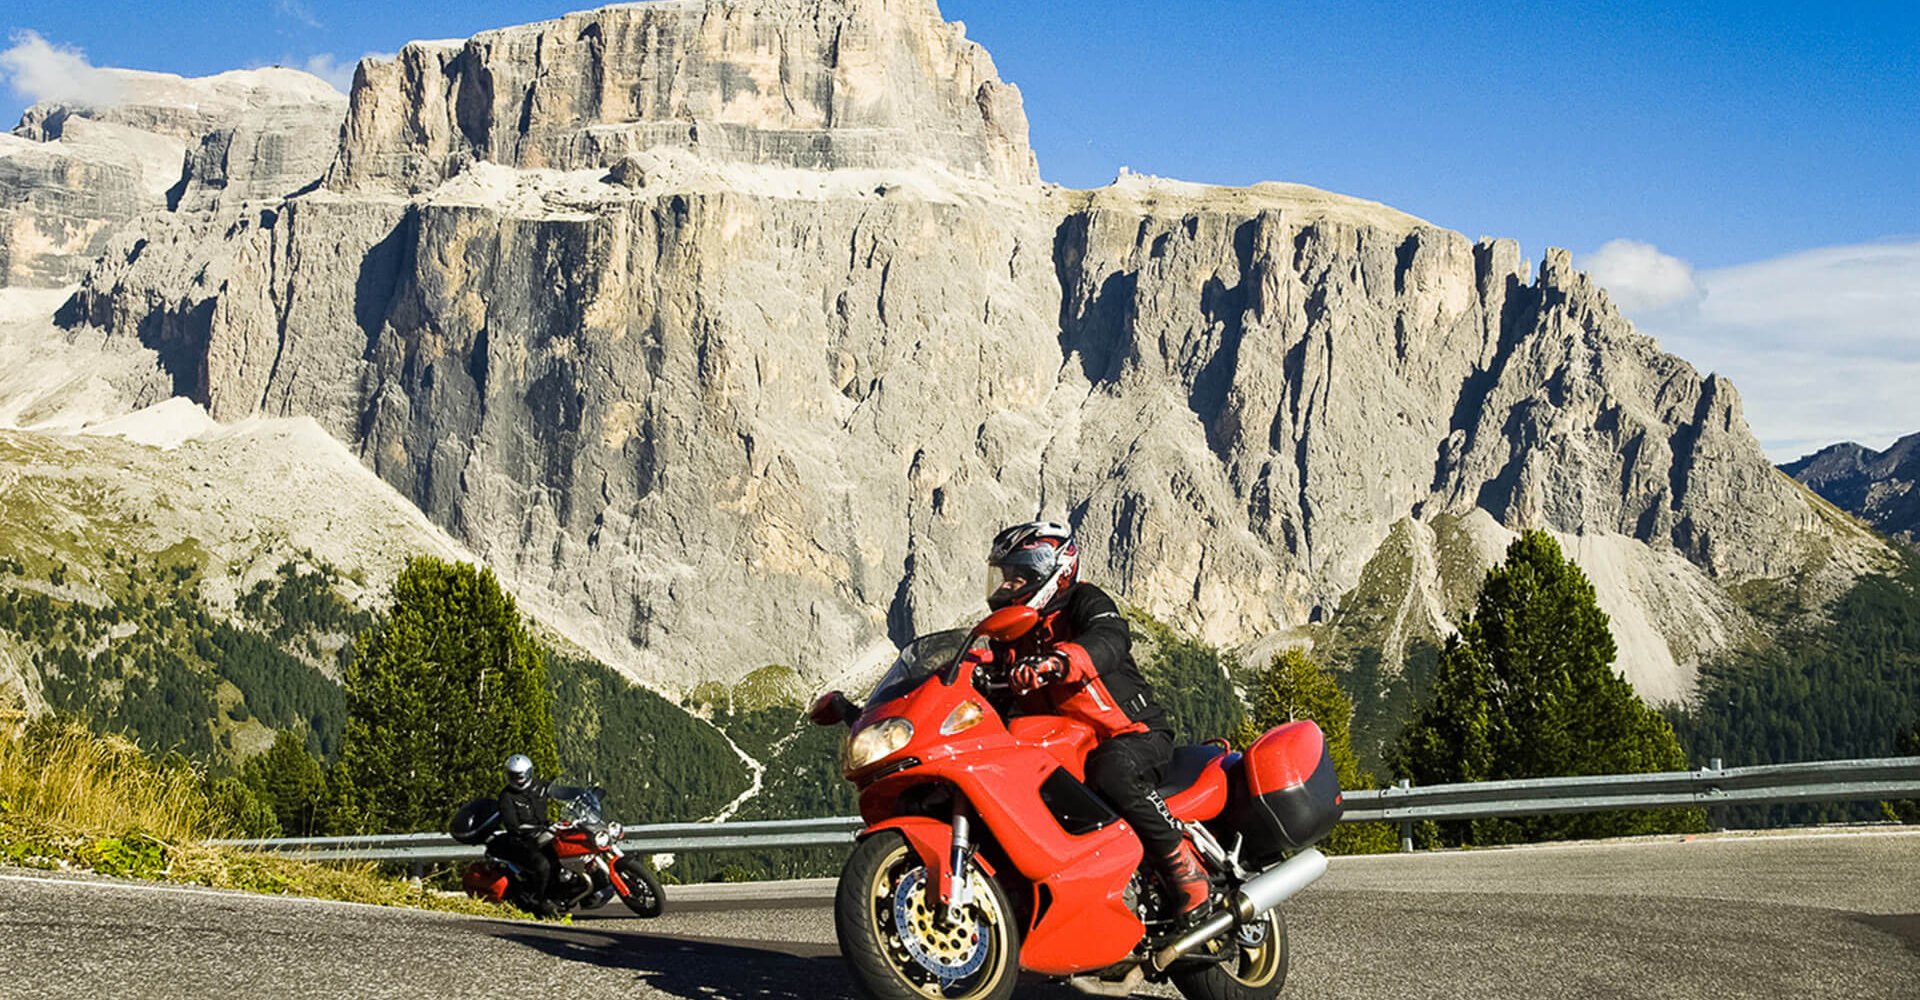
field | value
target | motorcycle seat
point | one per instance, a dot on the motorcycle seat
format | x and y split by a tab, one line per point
1195	786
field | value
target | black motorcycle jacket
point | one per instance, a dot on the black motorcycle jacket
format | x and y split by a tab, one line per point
1103	685
523	811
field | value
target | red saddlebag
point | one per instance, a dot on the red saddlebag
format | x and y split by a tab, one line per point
1286	796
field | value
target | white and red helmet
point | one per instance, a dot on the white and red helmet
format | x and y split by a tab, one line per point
1031	564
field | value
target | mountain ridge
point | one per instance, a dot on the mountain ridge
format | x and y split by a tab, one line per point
757	391
1881	488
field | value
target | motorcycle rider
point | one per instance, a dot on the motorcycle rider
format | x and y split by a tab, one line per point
1078	662
529	835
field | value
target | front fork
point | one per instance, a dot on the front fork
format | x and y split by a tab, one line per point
611	862
956	886
944	847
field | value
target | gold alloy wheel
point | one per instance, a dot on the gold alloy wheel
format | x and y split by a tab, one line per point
1260	946
935	958
1249	963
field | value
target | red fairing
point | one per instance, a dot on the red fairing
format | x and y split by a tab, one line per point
1284	757
573	843
1068	740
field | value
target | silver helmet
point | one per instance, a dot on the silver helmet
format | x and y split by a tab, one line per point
1031	564
519	771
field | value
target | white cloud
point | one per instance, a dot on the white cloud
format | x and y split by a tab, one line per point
296	10
1862	299
41	71
1824	344
329	68
1638	276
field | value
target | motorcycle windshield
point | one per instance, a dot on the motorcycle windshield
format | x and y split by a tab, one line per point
921	659
583	806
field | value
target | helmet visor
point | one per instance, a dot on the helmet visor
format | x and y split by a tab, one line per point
1021	572
1006	584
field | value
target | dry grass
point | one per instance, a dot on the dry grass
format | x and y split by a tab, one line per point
72	799
68	778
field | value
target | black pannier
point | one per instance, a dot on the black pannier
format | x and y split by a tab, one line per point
1284	793
475	821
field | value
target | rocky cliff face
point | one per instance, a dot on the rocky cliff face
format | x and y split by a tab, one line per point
1881	488
737	328
821	84
72	178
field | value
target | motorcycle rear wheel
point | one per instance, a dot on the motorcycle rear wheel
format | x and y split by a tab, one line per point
644	895
1256	973
869	904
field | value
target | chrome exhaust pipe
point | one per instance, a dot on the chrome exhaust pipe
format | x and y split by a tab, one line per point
1257	895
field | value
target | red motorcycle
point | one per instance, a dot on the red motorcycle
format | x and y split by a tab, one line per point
985	853
592	869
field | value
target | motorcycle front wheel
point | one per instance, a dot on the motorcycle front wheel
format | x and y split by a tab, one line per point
1255	970
644	895
899	948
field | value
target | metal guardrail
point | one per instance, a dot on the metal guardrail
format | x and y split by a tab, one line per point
658	838
1825	781
1711	786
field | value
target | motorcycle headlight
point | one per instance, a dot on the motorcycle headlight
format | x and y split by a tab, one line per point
964	716
600	838
875	743
615	831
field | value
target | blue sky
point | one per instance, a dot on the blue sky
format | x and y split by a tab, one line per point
1709	139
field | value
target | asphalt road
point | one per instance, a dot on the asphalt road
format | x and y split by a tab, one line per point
1827	916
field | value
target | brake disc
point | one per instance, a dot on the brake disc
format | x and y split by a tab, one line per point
949	951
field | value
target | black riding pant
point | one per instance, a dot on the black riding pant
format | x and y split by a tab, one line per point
1126	771
536	865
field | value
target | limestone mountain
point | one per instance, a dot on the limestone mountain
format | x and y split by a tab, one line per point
1881	488
733	329
73	176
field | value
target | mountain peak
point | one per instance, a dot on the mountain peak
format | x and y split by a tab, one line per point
1881	488
820	84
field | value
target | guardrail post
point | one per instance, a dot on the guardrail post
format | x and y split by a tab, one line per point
1406	825
1716	815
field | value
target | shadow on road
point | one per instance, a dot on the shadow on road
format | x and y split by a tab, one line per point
697	969
1905	926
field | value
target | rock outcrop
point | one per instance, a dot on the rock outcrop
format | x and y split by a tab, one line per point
71	178
820	84
737	328
1881	488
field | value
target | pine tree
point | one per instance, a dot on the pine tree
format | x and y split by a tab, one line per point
290	781
444	687
1527	690
1295	687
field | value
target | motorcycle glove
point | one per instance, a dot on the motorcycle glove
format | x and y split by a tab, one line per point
1035	672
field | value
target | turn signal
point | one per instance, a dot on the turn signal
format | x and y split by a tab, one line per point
965	716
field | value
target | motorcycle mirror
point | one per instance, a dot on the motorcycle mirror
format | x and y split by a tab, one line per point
831	709
1010	623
